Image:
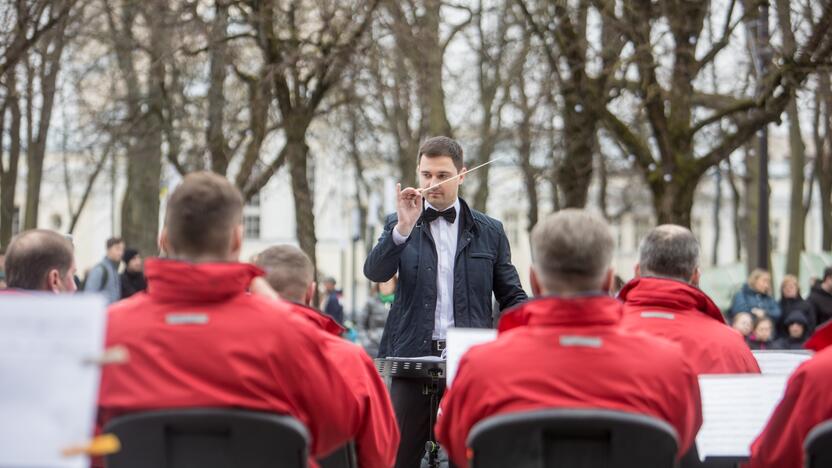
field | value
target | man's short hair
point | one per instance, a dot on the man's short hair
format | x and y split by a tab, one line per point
114	241
442	146
201	215
571	249
288	271
827	272
33	254
670	251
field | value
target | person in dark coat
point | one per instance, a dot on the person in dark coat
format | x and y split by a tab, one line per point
132	279
797	326
791	300
755	297
332	301
821	299
450	260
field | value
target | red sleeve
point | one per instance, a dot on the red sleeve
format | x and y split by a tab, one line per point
322	397
377	440
691	410
781	442
459	410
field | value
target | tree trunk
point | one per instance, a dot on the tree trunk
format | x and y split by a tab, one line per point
140	207
797	162
736	203
529	173
673	201
298	153
217	144
752	200
48	75
8	183
717	221
575	172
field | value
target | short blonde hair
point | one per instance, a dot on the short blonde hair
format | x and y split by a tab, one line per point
755	275
790	279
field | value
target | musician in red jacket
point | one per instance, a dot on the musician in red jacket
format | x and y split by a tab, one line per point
664	300
197	338
806	403
291	274
567	349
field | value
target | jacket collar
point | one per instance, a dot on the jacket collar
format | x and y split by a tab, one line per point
324	322
580	311
669	294
821	338
172	280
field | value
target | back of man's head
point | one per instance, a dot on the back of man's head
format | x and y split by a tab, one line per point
203	219
288	271
571	251
669	251
33	254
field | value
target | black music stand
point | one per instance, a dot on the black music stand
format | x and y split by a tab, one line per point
431	371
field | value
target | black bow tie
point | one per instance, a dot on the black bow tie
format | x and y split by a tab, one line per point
431	215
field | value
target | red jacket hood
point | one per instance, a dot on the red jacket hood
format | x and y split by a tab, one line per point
668	294
562	311
171	280
324	322
821	338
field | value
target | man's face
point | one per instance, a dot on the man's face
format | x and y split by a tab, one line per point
436	169
116	252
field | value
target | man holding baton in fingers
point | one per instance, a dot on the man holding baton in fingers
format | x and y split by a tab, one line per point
450	260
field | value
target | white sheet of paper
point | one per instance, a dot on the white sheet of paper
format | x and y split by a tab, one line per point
735	409
780	362
459	340
48	394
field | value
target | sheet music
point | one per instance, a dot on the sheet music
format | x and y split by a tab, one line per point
735	409
782	362
48	395
459	340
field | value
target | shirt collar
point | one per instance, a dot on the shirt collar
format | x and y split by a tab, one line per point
455	205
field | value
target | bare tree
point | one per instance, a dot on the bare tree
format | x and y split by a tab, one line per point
669	159
306	49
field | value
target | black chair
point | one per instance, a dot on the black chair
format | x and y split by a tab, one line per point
208	438
817	447
344	457
572	438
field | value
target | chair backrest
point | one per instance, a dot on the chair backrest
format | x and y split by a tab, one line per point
574	438
208	438
817	447
344	457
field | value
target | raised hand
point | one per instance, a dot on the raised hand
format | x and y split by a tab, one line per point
408	209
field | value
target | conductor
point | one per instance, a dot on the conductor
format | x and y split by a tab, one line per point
450	260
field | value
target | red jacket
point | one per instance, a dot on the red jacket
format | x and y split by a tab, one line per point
569	353
684	314
806	403
197	338
377	440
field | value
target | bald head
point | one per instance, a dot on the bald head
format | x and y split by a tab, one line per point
669	251
288	271
40	260
571	251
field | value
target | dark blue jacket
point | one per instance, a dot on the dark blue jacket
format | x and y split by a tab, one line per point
747	299
333	307
483	265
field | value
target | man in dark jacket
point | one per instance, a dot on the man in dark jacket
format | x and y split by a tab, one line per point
450	260
821	299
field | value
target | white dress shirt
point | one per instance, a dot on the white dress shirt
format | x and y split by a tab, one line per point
445	236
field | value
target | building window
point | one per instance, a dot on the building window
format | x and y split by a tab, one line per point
251	226
641	226
251	218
